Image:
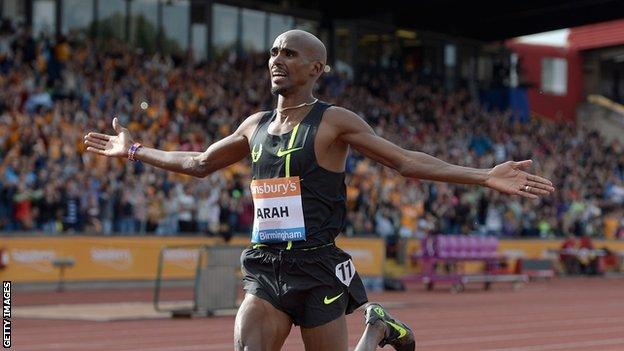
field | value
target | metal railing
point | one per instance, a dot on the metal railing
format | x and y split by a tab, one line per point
215	282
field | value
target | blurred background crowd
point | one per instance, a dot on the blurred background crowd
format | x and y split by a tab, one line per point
53	91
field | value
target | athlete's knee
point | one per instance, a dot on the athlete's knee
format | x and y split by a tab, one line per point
242	340
241	345
259	326
249	340
247	334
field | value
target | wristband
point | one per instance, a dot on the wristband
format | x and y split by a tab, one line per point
132	150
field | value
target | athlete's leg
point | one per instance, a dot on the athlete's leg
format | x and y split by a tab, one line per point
371	337
259	326
382	329
331	336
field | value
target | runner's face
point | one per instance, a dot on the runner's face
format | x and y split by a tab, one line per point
288	66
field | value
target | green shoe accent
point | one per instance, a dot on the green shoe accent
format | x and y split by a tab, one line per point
402	331
380	311
397	333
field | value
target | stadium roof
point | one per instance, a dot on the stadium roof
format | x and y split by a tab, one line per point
476	19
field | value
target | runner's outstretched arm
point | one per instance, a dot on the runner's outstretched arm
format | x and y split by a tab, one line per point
509	177
220	154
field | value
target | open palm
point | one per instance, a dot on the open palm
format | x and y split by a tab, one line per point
110	145
510	178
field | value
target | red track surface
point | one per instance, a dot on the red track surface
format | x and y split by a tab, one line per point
570	314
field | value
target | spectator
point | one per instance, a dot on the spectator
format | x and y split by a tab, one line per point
568	255
71	208
48	209
186	203
107	207
225	215
587	256
125	213
155	209
53	91
169	224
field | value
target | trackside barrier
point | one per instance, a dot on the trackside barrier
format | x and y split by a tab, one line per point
446	251
215	283
135	258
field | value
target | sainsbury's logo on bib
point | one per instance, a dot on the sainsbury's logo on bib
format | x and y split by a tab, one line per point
275	187
278	214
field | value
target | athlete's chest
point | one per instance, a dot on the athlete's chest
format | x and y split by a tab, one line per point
278	163
312	141
270	148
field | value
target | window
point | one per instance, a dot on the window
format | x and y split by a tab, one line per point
224	27
344	51
77	15
199	35
253	38
555	76
144	24
176	19
44	17
13	9
111	17
484	68
278	24
513	71
307	25
450	55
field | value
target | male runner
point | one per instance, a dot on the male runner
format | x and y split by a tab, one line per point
293	272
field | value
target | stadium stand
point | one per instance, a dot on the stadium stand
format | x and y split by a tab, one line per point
53	90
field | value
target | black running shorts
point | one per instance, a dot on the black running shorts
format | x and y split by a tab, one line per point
313	286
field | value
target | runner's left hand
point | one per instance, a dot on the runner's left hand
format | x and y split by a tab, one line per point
511	178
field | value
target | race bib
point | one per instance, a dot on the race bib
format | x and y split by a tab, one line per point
278	212
345	272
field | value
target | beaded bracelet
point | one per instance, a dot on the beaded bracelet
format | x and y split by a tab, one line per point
132	150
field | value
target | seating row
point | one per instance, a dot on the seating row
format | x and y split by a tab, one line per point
461	247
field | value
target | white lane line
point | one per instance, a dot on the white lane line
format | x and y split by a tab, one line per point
516	324
103	346
565	346
520	336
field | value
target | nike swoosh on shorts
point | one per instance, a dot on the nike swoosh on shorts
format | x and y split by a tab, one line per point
327	300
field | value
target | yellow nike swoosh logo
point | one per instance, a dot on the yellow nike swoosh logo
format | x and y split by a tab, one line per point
281	153
328	301
402	331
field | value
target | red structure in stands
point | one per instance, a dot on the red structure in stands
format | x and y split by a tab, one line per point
591	63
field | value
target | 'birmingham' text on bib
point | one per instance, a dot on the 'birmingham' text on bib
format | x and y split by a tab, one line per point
278	212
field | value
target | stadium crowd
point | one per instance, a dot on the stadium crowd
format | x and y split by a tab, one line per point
53	91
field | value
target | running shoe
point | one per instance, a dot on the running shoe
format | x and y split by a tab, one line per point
398	334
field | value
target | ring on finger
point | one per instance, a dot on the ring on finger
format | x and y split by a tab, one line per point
526	188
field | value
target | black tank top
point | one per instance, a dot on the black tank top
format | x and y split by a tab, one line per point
323	192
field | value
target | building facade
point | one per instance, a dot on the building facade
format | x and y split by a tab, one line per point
208	28
559	77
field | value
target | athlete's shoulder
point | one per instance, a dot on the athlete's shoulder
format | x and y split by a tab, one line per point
336	115
255	118
258	115
250	123
339	112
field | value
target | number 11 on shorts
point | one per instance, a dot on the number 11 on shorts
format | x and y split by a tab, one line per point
345	272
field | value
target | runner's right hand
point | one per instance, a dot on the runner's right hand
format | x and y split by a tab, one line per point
110	145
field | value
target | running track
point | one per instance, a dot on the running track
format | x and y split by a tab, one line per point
567	314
